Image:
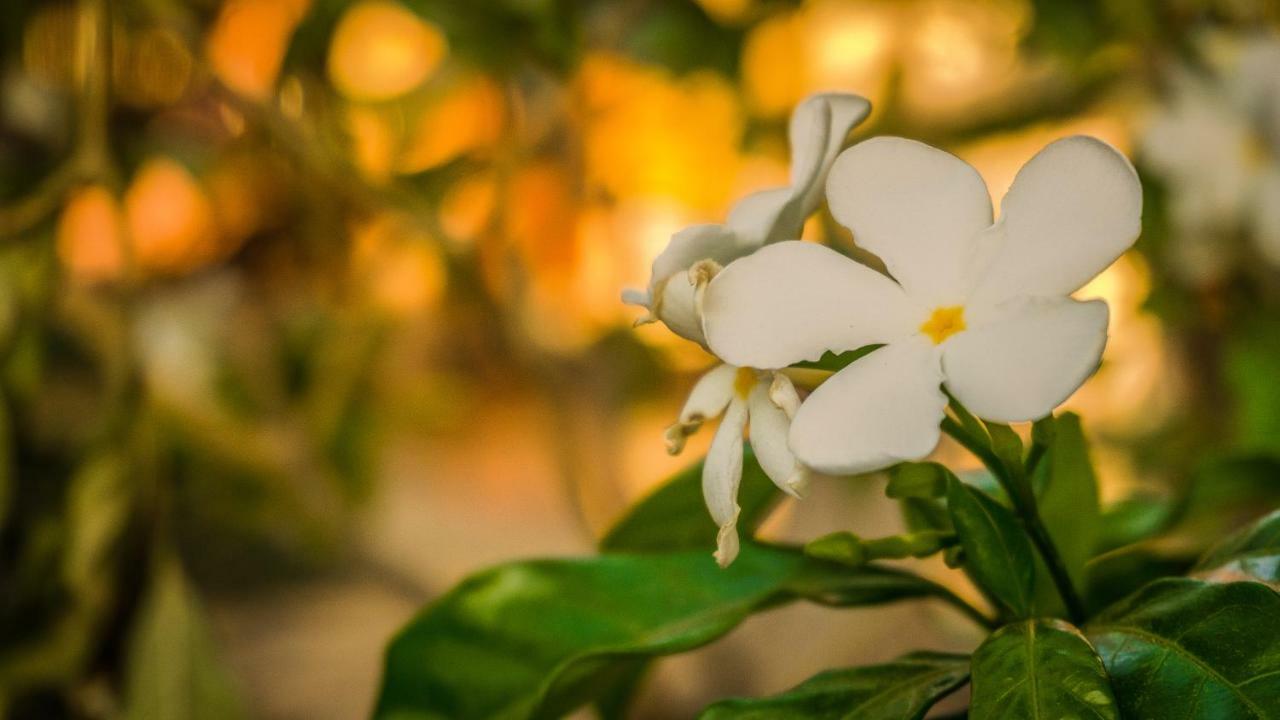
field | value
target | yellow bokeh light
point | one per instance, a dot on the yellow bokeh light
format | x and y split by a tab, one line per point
396	264
468	207
247	43
380	51
648	134
90	235
170	219
468	118
373	141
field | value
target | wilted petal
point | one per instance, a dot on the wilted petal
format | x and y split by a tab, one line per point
721	474
709	397
817	130
1026	357
793	300
768	430
882	409
671	294
915	206
1072	210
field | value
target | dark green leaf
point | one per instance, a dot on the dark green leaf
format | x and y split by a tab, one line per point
917	479
1037	669
1132	520
674	517
997	552
173	670
849	549
834	362
904	689
540	638
1114	575
971	425
1190	649
1068	500
925	514
1007	446
1251	553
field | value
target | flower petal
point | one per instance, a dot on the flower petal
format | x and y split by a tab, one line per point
793	300
768	430
670	291
882	409
818	129
1026	357
721	474
1072	210
915	206
709	397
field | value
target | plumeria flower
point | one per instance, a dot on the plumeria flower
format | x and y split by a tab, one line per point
1216	143
763	401
981	307
817	130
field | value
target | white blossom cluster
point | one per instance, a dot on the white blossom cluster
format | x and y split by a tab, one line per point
977	304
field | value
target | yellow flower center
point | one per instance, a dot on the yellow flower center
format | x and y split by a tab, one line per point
943	323
743	382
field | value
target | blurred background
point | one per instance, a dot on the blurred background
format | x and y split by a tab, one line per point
309	308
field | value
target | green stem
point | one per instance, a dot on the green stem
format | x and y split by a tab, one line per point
1024	504
973	613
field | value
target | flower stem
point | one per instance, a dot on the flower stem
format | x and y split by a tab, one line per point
1014	482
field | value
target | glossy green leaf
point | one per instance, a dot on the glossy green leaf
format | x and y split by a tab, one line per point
1253	553
1068	502
540	638
1039	669
1183	648
674	517
917	480
904	689
1114	575
997	553
173	670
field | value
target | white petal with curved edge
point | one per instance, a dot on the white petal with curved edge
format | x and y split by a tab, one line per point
671	294
880	410
675	303
768	430
915	206
1026	357
709	397
721	474
793	300
817	130
1072	210
783	394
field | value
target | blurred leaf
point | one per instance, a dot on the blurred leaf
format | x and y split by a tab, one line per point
674	517
925	514
997	552
904	689
1226	494
849	549
1007	446
1251	553
1068	501
1131	520
6	462
1036	669
680	36
1189	649
99	501
537	639
1071	28
173	671
917	479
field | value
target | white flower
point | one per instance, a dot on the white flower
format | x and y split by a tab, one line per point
817	131
761	402
981	307
1216	143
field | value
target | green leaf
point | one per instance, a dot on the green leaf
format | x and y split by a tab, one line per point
1132	520
1036	669
1191	649
674	517
1253	553
904	689
1068	500
925	514
849	549
173	671
539	638
997	552
1114	575
1007	446
835	362
917	480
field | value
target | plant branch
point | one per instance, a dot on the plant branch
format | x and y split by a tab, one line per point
1015	483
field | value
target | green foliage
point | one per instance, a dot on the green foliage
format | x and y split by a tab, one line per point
997	552
1068	498
173	672
1191	649
1039	668
539	638
849	549
917	480
1251	553
904	689
674	516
